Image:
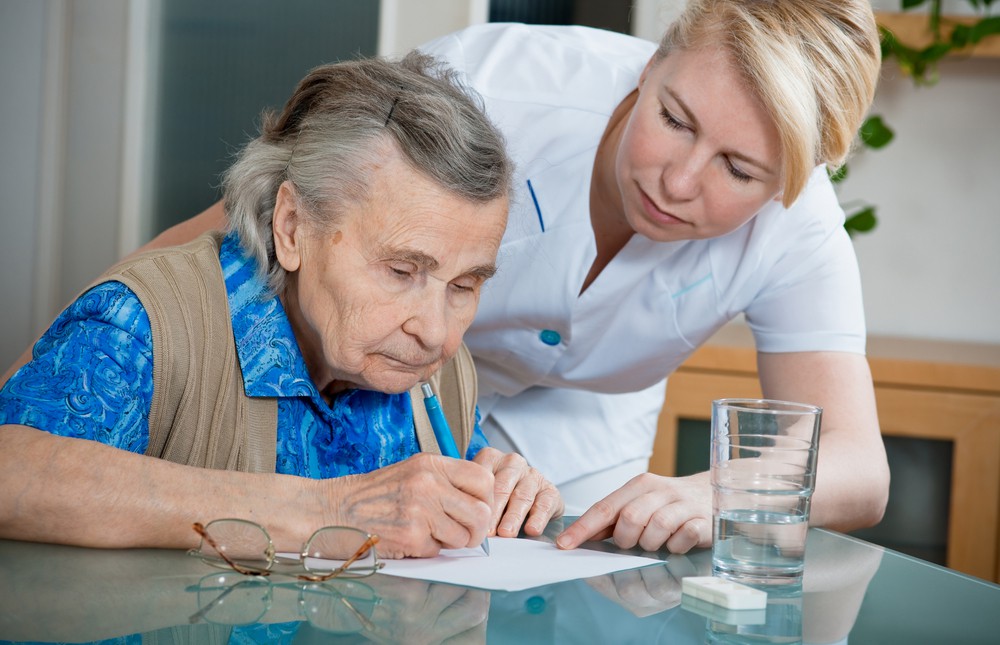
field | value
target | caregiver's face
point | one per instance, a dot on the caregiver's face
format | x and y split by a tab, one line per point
381	299
699	156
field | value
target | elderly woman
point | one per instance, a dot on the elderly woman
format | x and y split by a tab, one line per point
268	368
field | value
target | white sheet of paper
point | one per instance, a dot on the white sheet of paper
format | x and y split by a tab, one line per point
513	564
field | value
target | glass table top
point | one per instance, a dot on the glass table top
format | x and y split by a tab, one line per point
852	591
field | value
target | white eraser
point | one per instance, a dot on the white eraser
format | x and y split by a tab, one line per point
724	593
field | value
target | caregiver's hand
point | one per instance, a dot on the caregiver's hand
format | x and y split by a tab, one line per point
649	511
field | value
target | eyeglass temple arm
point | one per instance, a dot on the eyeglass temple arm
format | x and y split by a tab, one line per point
368	544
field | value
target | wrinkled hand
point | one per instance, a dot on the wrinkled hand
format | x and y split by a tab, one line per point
649	590
519	492
420	612
649	511
418	506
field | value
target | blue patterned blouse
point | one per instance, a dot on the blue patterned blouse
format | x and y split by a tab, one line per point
91	377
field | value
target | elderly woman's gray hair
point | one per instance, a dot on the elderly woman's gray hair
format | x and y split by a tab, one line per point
331	131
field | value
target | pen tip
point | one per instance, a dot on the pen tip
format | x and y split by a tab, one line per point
426	389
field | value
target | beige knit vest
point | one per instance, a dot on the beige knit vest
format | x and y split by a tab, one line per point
200	415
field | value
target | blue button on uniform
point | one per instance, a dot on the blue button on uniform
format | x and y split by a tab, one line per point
550	337
534	605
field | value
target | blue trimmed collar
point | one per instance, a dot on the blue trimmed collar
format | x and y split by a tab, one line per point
270	359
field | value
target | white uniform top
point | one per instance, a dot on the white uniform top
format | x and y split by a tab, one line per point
542	350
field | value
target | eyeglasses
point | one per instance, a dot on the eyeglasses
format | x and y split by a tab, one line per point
246	547
231	598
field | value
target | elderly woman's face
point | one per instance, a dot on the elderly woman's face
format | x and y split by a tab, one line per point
381	300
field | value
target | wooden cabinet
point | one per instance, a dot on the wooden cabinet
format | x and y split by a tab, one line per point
924	389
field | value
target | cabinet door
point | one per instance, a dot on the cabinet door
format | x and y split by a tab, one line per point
972	423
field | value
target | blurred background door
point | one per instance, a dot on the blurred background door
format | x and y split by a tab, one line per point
220	64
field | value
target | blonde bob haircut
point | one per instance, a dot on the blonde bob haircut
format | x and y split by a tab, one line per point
813	64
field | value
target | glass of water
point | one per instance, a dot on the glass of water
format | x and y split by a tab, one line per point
763	467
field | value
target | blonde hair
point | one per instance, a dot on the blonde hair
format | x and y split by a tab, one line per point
813	64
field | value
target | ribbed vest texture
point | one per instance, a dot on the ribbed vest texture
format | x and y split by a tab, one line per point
200	415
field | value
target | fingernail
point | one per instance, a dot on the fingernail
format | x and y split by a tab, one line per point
563	542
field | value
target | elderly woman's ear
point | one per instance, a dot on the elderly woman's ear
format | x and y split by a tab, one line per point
287	227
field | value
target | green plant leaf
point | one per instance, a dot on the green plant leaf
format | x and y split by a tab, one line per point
961	36
861	221
887	41
875	133
934	19
909	4
922	65
918	64
838	175
937	51
985	27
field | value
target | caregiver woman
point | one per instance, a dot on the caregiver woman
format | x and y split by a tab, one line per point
661	192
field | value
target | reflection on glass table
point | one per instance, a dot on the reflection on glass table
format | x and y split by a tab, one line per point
233	599
851	591
647	605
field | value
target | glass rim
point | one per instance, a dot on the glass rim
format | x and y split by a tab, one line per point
766	406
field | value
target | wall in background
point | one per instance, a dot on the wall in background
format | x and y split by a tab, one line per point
932	267
60	158
87	228
22	30
404	24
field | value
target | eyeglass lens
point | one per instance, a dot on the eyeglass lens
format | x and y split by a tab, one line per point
232	599
334	548
229	542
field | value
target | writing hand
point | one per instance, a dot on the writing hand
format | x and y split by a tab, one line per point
418	506
519	492
649	511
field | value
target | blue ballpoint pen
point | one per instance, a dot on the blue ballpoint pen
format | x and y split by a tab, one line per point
442	432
